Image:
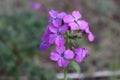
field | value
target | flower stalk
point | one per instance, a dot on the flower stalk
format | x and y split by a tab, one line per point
65	74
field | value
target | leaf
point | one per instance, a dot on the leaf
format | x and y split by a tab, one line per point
74	66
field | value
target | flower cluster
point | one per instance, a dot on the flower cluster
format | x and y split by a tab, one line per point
63	31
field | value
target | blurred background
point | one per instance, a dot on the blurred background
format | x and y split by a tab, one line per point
22	22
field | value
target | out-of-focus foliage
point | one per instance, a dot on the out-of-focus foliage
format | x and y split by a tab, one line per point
104	7
19	46
74	66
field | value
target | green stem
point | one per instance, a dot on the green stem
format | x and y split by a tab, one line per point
65	74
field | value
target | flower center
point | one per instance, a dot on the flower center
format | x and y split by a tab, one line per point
62	55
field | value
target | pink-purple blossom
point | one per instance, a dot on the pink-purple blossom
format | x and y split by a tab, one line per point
73	20
44	45
81	54
56	18
57	34
76	23
45	40
62	56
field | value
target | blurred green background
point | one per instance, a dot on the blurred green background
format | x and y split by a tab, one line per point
21	26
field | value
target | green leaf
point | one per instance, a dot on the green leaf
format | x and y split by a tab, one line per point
74	66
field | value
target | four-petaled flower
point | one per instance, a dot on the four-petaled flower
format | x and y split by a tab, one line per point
62	56
81	53
76	24
45	40
56	18
57	34
74	21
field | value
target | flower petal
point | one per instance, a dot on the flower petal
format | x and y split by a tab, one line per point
57	22
81	53
63	28
44	45
68	18
86	53
54	56
61	15
73	26
53	13
52	38
91	37
79	58
53	29
68	54
60	49
45	36
82	24
62	62
76	15
50	19
78	51
60	41
87	30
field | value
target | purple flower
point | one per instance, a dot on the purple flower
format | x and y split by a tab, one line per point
57	34
46	34
62	56
44	45
53	13
90	35
76	24
81	53
35	5
56	18
45	40
74	21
